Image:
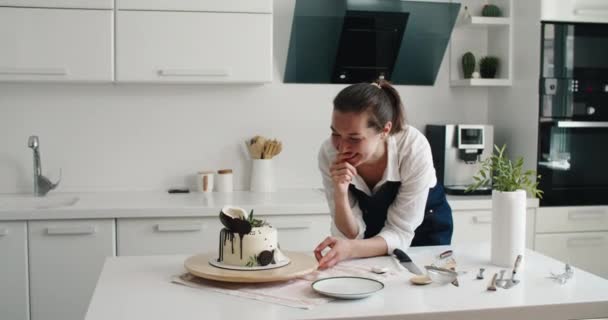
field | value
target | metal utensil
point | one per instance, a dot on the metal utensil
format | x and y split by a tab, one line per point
492	285
500	282
407	262
512	282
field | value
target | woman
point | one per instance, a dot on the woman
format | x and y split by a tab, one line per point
379	179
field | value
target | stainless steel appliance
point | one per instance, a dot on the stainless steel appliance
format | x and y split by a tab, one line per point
458	150
573	122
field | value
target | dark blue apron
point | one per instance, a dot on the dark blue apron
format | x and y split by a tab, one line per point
436	228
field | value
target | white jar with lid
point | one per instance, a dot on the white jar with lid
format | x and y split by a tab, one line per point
223	180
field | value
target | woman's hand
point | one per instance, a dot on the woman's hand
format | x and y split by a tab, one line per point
342	173
341	249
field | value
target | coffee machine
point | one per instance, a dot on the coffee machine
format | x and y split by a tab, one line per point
458	150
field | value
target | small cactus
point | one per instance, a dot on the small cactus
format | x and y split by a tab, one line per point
488	67
490	10
468	65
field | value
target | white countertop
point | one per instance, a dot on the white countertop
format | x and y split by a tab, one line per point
139	288
140	204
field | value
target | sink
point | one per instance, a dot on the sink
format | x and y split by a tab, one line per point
31	202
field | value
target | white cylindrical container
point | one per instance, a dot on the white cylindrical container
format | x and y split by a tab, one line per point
508	227
223	181
204	181
262	175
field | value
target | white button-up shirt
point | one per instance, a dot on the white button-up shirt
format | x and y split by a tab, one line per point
409	161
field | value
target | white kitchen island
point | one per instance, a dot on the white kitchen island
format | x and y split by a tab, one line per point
133	288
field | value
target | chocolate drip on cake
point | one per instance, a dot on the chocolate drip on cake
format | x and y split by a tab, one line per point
227	235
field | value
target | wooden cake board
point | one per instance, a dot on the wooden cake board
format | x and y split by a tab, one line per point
301	264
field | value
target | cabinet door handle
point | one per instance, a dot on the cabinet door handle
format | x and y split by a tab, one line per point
77	230
586	215
3	232
482	220
292	225
194	73
34	71
585	242
177	227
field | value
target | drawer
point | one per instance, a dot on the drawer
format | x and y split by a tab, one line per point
472	226
585	250
167	236
475	226
300	232
571	219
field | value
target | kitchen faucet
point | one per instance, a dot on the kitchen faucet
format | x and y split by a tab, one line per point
42	185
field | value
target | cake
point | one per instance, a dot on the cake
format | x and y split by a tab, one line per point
247	242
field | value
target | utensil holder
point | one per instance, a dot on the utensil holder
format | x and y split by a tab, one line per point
262	176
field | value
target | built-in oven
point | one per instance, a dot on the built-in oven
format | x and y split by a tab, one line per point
573	122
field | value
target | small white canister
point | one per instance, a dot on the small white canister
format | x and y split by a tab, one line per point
223	181
204	181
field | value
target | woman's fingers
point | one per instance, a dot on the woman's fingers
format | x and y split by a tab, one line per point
328	242
329	257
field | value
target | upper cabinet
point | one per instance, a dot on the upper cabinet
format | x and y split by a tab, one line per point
241	6
194	42
483	36
43	44
203	41
72	4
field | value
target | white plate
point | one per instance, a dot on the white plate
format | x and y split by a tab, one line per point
347	287
215	263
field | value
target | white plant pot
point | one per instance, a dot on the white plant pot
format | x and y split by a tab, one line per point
262	176
508	227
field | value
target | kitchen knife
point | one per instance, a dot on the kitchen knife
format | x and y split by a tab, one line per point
405	261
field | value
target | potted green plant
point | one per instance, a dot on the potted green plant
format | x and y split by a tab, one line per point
509	183
488	67
468	65
490	10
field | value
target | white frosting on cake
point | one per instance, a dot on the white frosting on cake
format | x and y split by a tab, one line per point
260	239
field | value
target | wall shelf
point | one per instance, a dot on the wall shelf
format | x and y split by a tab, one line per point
482	36
481	82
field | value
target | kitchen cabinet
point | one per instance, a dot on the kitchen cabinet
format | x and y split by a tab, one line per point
578	235
14	293
56	44
72	4
65	260
193	47
475	226
195	235
167	236
300	232
483	36
585	250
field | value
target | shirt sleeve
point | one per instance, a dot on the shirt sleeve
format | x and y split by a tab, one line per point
324	162
406	213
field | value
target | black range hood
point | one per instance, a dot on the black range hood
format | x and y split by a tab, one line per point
350	41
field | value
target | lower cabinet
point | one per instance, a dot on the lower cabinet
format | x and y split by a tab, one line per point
585	250
475	226
158	236
65	260
300	232
14	302
577	235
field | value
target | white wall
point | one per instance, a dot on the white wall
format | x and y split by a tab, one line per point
151	137
514	110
